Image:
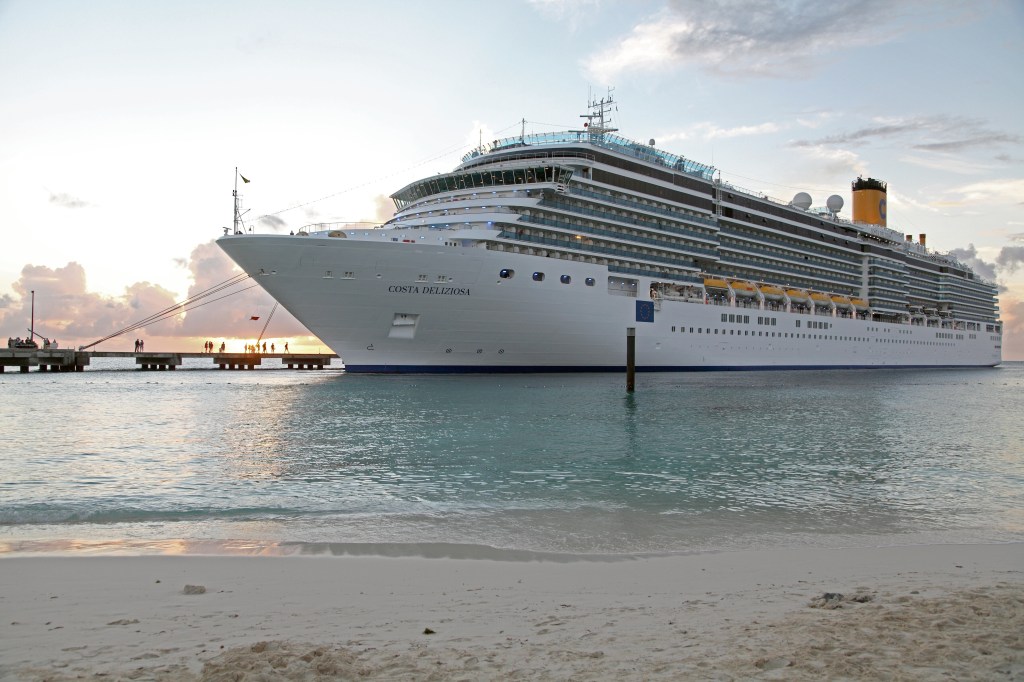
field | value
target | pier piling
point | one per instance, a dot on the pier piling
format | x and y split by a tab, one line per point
630	359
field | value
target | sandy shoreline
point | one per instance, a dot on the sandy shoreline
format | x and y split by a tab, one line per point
927	612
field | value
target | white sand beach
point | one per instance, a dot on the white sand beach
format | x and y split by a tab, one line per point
899	613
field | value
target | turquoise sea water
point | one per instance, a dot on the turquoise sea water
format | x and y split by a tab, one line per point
279	461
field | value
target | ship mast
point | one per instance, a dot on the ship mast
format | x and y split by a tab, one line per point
598	110
239	225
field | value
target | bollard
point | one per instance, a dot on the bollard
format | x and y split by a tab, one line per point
630	359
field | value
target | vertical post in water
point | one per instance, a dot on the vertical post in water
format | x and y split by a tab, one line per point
630	359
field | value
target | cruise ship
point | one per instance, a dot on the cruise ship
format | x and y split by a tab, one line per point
542	252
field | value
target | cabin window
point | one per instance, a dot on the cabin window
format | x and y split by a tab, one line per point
538	277
506	273
565	279
590	281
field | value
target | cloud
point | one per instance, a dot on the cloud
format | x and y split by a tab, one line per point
384	208
838	162
969	256
273	222
65	200
951	134
755	38
1009	190
1011	311
1017	237
68	311
1010	258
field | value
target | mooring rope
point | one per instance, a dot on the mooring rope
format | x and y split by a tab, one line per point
190	303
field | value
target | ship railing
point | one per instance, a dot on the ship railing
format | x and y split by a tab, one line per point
669	246
675	215
313	228
786	258
604	215
479	159
605	140
574	245
676	277
838	279
800	246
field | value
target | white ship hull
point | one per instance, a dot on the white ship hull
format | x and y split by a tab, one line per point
423	304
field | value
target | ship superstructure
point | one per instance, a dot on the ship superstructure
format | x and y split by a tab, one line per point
538	251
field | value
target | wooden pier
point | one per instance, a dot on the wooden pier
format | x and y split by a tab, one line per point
70	360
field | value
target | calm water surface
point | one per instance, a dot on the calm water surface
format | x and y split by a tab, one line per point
279	461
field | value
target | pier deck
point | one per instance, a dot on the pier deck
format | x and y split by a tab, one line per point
71	360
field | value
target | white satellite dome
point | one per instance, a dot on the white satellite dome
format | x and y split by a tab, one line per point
834	203
802	200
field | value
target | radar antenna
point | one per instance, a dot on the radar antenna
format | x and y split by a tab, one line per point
599	119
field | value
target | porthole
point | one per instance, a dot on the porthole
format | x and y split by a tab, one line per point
538	277
590	281
565	279
506	273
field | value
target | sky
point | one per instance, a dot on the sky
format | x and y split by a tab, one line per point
122	123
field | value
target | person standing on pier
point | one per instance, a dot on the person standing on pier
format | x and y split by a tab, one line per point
285	346
136	345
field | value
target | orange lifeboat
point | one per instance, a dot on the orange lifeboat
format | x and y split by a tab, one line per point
745	289
797	295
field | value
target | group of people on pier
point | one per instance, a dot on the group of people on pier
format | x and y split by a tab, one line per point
208	347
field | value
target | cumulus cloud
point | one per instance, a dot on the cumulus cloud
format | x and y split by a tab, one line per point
758	38
67	311
384	208
1010	258
969	256
65	200
1012	314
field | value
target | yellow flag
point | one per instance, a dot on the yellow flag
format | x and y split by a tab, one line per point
244	179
